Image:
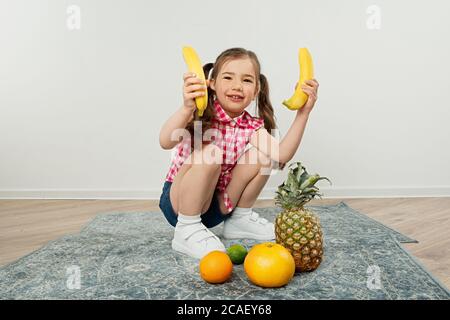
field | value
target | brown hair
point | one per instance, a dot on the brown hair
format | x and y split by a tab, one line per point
263	104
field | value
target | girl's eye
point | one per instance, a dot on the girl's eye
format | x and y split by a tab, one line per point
248	80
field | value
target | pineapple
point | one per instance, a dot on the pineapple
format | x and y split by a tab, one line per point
297	228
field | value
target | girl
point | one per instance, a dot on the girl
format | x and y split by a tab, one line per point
218	175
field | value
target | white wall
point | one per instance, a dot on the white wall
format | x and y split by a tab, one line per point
81	110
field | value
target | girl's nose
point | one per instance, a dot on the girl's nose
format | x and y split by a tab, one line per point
237	87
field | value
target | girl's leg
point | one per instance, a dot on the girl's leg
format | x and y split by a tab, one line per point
249	177
192	193
193	186
252	191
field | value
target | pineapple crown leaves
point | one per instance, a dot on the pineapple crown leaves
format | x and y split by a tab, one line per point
299	187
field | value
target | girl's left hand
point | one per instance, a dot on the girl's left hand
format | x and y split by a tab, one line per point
310	88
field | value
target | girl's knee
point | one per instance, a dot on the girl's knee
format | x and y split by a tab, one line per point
256	157
210	157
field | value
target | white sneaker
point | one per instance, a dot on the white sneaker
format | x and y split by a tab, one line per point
248	226
195	240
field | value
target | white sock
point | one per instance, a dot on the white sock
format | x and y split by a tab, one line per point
241	212
187	220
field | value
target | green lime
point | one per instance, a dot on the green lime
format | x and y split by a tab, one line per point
237	253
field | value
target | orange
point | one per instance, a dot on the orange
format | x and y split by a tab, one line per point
269	265
216	267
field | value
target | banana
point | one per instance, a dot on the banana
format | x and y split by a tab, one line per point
299	98
194	65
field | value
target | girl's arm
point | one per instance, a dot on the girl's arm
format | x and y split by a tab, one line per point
177	121
283	151
173	131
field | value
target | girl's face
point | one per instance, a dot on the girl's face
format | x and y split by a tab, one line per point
235	85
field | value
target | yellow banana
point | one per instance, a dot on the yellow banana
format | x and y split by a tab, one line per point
194	65
299	98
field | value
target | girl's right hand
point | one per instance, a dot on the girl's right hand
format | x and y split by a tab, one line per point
193	87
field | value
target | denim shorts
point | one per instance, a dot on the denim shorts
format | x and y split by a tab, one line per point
212	217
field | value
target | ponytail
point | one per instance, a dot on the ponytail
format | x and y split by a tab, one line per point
265	109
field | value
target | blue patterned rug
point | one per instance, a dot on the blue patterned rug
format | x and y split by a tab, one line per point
128	256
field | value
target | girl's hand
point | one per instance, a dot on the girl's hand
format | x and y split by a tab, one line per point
193	87
310	88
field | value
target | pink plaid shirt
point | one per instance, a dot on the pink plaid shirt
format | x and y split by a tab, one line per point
232	136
